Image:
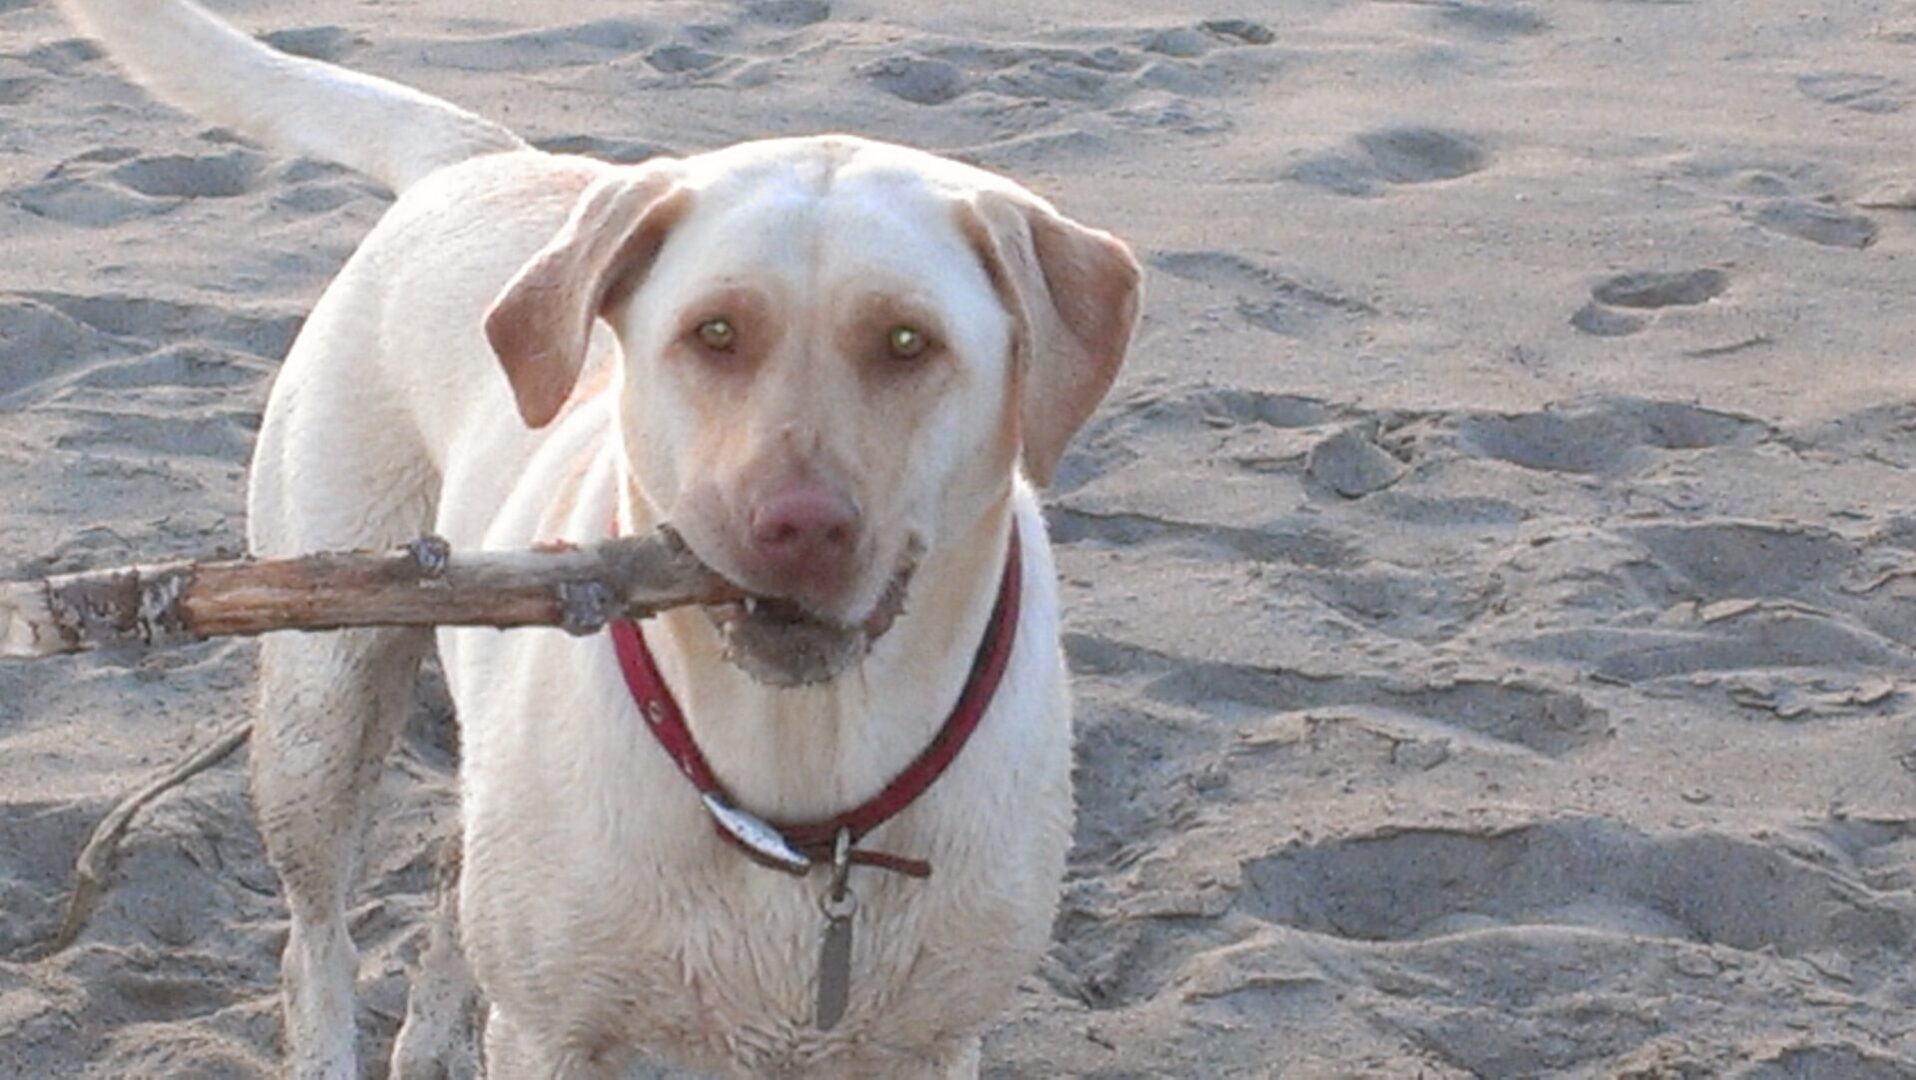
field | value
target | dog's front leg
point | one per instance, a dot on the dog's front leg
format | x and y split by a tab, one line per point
330	707
439	1039
514	1053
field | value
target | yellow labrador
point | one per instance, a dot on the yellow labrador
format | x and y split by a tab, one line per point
816	832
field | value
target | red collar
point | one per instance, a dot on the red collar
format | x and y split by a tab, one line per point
796	846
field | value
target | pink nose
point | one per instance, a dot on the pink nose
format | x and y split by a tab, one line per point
805	529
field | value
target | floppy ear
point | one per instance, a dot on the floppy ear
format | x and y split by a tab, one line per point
542	322
1073	293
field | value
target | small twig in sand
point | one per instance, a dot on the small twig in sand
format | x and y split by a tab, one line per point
1708	352
96	859
1880	580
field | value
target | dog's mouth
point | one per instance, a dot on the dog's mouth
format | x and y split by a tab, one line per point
779	642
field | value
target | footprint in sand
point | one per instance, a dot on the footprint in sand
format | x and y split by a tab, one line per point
1030	73
87	203
18	89
1520	715
1599	321
1190	80
1191	42
1242	31
1351	464
1394	156
1661	288
1644	290
1183	43
1266	297
63	57
105	187
679	58
1495	21
1046	78
328	43
1817	222
1731	560
1860	92
788	14
309	186
1701	885
1419	155
1163	112
315	198
917	79
1609	436
178	176
1155	82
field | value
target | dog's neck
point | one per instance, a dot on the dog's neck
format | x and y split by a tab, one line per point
807	753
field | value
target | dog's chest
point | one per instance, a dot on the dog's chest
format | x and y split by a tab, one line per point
698	956
734	985
600	901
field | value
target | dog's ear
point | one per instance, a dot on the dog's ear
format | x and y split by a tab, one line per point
1073	293
541	323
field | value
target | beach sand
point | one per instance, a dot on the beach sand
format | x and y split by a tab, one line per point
1491	586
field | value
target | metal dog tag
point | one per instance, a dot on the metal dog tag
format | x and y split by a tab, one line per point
835	946
762	839
835	961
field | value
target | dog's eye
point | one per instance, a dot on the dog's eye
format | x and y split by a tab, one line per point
906	342
717	334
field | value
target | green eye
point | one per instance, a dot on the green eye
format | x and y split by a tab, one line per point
717	334
906	342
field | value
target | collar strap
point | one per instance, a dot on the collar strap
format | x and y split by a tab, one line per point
797	846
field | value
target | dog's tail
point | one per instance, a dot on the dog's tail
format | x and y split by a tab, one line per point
190	59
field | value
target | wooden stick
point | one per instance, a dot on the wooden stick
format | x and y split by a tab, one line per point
578	589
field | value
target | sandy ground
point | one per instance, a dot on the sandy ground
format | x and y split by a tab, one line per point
1487	585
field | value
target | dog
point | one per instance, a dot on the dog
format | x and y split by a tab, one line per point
839	368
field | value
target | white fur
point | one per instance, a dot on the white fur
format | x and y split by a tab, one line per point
602	916
190	59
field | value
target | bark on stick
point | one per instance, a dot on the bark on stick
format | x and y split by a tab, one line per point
425	583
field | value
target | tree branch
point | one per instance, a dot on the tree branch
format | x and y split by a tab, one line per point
578	589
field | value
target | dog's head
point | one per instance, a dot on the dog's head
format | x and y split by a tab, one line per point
837	354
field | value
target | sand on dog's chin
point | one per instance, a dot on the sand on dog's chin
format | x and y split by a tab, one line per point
787	651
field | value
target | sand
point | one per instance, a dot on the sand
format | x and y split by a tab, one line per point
1489	586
